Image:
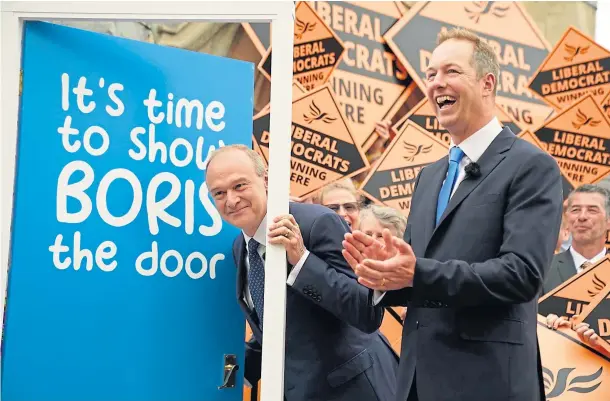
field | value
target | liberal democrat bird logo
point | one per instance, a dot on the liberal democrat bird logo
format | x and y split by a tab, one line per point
486	7
584	120
574	51
555	386
606	108
598	285
414	150
303	28
317	115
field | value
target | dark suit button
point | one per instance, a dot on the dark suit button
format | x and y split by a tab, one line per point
306	292
417	324
319	298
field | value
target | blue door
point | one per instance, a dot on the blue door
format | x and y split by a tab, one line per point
122	280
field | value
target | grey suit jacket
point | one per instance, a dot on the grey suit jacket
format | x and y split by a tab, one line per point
470	332
562	269
334	351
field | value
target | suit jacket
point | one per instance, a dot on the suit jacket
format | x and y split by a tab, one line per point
562	269
470	333
334	351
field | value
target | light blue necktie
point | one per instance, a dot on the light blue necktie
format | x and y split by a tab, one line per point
256	279
455	156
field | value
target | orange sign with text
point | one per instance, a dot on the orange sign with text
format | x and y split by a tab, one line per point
506	26
369	80
571	370
424	115
297	92
317	49
566	184
579	139
606	106
392	180
576	66
323	149
574	296
597	316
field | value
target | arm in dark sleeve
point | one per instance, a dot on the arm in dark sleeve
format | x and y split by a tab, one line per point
327	280
531	226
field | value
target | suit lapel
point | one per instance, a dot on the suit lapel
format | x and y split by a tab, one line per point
565	266
241	272
487	163
438	171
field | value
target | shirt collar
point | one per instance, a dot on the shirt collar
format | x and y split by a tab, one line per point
579	259
476	144
259	235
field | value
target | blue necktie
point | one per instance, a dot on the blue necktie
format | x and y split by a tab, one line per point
455	156
256	279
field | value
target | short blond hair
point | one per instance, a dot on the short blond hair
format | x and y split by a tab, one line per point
346	184
388	217
484	58
257	160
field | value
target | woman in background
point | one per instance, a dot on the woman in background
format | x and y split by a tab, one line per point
342	198
374	219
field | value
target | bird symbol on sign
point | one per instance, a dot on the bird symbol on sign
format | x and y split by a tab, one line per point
574	51
414	150
317	115
584	120
486	7
303	27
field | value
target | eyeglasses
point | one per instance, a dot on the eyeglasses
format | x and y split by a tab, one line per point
349	207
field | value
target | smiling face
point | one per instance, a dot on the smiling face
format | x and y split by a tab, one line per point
240	195
345	204
463	103
587	219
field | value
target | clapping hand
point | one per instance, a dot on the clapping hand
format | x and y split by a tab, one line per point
380	265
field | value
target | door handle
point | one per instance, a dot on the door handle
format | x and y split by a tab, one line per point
229	372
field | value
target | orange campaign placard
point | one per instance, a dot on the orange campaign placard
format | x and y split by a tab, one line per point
317	49
574	295
506	26
597	316
392	180
323	149
576	66
297	92
571	370
260	35
531	138
606	106
579	139
424	115
369	80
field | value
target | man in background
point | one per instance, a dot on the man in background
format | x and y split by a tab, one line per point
587	217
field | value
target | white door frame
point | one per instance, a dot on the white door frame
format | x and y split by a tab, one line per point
280	14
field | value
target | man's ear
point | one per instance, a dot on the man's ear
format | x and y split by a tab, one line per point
489	83
266	178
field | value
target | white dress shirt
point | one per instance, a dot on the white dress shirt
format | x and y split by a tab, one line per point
473	147
579	259
261	237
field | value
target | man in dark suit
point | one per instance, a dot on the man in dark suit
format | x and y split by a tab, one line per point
480	236
334	350
588	220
